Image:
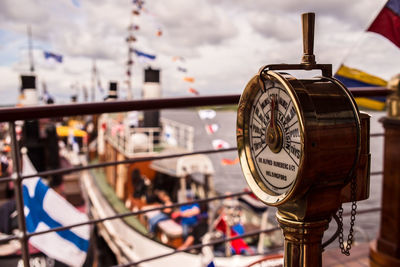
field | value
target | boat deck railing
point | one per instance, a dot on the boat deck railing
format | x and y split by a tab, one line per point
136	141
12	115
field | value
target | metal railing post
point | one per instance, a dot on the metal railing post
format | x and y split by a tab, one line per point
17	175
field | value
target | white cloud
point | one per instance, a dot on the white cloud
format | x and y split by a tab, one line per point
224	42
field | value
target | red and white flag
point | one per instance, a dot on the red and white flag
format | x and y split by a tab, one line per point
220	144
212	128
207	114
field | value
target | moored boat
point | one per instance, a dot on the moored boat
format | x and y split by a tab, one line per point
141	184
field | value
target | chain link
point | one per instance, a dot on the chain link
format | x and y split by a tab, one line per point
346	251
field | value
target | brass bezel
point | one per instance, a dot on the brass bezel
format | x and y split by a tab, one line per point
243	139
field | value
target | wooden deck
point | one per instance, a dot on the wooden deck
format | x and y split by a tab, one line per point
358	257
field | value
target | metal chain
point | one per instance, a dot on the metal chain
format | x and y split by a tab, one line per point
346	251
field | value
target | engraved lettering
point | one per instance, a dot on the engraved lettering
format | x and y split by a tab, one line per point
294	133
295	151
265	161
283	103
276	175
257	145
284	165
290	116
256	129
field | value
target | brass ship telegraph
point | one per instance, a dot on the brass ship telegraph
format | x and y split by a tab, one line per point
304	148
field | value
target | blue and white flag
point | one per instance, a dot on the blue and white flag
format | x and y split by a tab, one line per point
141	54
46	209
50	55
76	3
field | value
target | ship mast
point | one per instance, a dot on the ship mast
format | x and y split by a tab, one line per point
130	39
94	81
31	63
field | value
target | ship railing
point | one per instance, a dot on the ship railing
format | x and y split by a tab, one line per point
133	141
12	115
123	137
177	134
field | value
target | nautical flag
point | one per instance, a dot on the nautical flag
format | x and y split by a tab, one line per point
131	39
207	258
50	55
176	58
230	161
238	246
188	79
169	135
387	23
207	114
144	55
181	69
133	27
212	128
76	3
193	91
138	3
45	209
357	78
220	144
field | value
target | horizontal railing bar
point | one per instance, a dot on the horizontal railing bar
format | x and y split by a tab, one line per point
370	91
134	213
99	165
226	240
141	159
51	111
218	241
8	238
13	237
376	134
105	164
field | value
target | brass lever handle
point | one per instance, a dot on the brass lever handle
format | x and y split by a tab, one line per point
308	22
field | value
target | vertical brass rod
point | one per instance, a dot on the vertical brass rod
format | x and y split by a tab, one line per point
302	241
308	22
18	194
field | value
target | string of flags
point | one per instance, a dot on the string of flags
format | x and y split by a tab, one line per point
189	79
212	128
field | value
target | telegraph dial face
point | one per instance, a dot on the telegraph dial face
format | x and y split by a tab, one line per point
273	139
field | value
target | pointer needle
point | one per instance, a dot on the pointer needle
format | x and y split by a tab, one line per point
272	112
274	134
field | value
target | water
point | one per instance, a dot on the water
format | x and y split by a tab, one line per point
230	178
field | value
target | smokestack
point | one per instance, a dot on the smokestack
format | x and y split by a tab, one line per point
29	95
112	91
151	89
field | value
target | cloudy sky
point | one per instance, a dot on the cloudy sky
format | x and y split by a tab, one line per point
223	42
